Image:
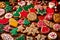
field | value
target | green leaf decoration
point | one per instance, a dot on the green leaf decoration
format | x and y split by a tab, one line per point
26	22
1	28
41	12
8	8
14	31
22	37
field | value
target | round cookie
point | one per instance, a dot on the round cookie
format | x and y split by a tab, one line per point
52	35
32	16
2	5
2	11
8	15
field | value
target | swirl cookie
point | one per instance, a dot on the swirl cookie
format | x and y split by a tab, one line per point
32	16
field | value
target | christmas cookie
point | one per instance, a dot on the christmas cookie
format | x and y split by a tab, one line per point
56	27
24	14
56	18
26	22
31	30
32	16
45	30
7	28
21	3
20	28
8	15
29	2
2	11
4	21
52	35
14	31
29	38
21	37
20	21
2	5
6	36
13	22
1	28
40	23
40	37
8	8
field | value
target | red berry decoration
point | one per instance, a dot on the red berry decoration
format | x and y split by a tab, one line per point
45	30
24	14
4	21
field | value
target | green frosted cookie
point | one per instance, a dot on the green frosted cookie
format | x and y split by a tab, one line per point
1	28
8	8
14	31
41	12
26	22
22	37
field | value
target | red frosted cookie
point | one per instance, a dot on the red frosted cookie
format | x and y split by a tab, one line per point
32	10
24	13
45	30
4	21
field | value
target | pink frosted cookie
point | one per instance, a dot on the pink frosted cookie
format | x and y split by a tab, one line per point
2	11
7	28
48	17
40	24
20	21
56	27
8	15
52	35
22	3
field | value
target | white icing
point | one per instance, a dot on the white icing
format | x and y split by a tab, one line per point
52	35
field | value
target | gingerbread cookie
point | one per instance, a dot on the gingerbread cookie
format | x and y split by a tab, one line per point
32	16
29	38
31	30
20	28
6	36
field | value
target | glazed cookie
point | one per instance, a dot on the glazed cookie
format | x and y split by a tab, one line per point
32	16
6	36
2	11
52	35
8	15
2	5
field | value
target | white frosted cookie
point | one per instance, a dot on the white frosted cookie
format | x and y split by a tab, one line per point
52	35
6	36
8	15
